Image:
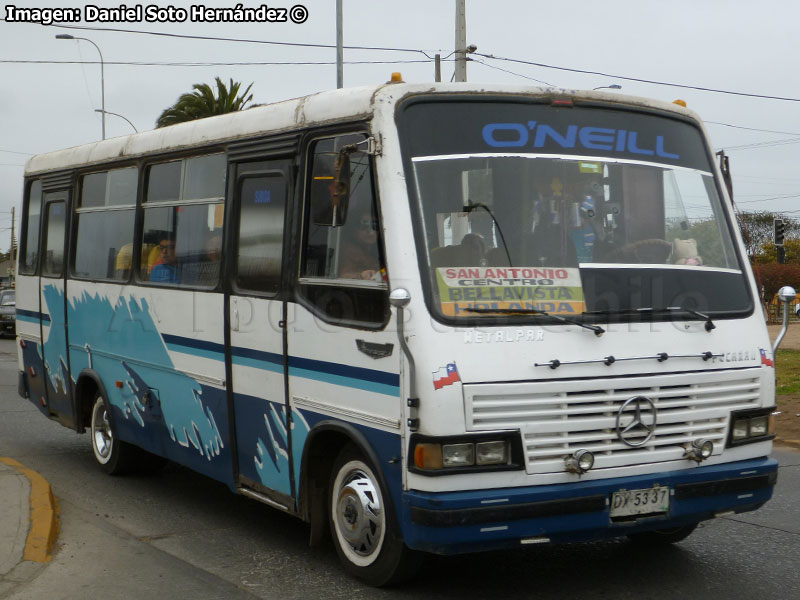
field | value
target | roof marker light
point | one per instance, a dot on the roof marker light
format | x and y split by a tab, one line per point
396	77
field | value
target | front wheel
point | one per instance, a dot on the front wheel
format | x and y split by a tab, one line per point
115	457
663	537
363	532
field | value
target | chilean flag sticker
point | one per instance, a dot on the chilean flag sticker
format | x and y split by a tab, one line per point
765	360
447	375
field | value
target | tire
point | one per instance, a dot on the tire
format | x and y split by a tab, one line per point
663	537
362	525
114	456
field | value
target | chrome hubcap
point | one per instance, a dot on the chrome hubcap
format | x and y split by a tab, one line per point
101	432
359	514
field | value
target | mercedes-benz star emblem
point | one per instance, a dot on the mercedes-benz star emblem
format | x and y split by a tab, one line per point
643	421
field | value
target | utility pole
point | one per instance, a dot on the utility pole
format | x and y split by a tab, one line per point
438	68
339	46
13	250
461	41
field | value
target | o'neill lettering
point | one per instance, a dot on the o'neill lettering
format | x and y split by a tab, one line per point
537	135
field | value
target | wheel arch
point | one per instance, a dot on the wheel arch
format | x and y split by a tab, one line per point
324	443
88	384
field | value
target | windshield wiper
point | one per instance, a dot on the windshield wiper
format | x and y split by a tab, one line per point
709	325
598	331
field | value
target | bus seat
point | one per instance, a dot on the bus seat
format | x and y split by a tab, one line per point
469	253
124	260
153	258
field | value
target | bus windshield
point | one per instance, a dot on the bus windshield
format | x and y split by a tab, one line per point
527	209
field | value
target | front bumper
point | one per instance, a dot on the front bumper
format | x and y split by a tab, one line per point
454	522
8	323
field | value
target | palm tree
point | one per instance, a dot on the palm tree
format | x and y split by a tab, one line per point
202	103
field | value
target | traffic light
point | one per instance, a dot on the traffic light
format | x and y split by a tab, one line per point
780	231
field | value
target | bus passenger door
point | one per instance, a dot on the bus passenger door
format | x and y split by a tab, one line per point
53	302
256	307
344	358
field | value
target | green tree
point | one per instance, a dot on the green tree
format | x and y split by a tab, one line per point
758	230
202	103
768	253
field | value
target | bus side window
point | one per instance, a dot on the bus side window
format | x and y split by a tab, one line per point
184	209
259	253
30	235
105	215
348	245
343	245
54	239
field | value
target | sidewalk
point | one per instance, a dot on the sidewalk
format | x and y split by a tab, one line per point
28	524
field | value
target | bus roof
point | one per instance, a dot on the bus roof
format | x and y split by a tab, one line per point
320	108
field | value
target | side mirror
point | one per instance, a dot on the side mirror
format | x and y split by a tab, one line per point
399	298
786	295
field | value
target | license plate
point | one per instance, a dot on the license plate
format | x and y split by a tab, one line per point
627	503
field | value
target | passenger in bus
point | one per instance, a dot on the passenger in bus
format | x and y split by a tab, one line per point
166	269
360	257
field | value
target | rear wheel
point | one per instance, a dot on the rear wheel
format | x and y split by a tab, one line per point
115	457
663	537
366	539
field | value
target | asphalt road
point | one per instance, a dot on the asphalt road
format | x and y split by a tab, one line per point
178	534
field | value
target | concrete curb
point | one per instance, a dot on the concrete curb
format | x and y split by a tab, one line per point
44	515
795	444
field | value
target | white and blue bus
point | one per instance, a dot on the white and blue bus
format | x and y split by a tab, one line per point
424	317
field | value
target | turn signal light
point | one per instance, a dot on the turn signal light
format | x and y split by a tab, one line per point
428	456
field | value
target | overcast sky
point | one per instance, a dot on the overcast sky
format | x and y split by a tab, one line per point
740	48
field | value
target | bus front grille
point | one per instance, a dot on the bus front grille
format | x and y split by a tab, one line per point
557	418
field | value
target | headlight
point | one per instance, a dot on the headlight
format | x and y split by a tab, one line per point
491	453
740	429
458	455
752	426
433	457
580	462
759	426
699	450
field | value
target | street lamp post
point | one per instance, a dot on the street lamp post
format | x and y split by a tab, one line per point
66	36
108	112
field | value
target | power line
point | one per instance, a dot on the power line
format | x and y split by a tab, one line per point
485	64
16	152
783	142
626	78
210	64
239	40
768	199
752	128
